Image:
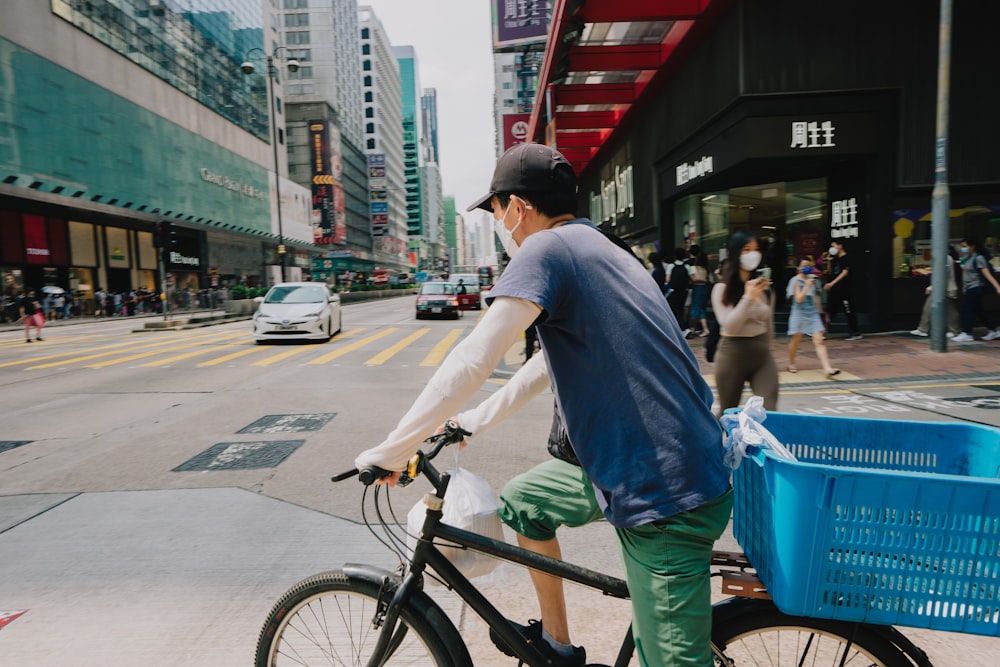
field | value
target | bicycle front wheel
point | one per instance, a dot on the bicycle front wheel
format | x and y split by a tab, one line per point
768	637
327	620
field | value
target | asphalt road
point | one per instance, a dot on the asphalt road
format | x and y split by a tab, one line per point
158	491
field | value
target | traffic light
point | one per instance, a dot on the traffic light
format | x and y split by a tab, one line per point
158	235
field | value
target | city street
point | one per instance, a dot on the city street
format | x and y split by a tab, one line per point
160	490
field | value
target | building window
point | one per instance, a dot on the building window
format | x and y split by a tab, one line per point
368	82
371	144
366	49
365	33
366	65
281	136
369	112
369	97
369	128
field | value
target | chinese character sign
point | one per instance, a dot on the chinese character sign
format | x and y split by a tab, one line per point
519	21
329	219
813	134
844	219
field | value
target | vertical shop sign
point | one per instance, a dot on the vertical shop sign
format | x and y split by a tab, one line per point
844	219
378	195
515	129
328	213
36	244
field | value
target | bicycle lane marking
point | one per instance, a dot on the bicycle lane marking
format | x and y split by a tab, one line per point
143	355
115	347
298	350
357	345
437	354
388	353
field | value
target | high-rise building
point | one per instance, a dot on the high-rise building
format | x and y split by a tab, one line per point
429	125
117	116
410	91
325	113
383	141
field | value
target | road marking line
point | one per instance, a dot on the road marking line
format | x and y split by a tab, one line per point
143	355
357	345
167	341
435	356
285	355
390	352
131	345
195	353
230	357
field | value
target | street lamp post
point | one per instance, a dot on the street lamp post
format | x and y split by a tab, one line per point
248	68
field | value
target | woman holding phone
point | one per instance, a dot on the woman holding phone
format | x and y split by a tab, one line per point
744	306
805	297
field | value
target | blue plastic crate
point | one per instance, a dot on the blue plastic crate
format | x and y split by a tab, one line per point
881	521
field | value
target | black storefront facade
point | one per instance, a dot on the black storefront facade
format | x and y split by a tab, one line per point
772	124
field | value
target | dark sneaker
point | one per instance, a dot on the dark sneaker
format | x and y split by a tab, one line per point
39	339
533	633
28	341
854	337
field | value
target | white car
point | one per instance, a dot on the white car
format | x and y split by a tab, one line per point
297	311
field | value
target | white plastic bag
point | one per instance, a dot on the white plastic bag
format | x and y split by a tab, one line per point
746	429
471	505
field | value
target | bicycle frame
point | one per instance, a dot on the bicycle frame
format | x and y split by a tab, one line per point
427	553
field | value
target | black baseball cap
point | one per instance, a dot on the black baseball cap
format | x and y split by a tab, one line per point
528	168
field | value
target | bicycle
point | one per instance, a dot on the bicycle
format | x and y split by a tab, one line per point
363	615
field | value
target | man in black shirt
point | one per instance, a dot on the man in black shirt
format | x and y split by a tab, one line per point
840	289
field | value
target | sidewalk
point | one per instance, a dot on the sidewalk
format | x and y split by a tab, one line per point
894	355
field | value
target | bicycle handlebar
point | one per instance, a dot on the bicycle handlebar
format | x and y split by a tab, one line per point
368	475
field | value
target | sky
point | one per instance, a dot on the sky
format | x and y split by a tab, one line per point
454	45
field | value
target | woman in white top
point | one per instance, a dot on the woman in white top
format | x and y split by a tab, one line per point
744	307
804	295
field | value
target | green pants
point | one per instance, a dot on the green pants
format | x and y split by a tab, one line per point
667	564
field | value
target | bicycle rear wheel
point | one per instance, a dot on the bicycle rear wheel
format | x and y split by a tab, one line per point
768	637
327	620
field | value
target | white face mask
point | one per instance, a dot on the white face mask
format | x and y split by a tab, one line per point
750	260
505	235
833	251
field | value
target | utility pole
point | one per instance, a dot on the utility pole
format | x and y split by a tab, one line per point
941	198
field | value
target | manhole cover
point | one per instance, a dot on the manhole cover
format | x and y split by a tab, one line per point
11	444
242	455
289	423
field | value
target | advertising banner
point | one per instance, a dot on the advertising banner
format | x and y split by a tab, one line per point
329	219
515	129
378	195
517	22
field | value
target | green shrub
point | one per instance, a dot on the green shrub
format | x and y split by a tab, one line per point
239	292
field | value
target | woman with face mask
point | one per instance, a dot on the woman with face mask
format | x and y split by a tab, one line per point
744	306
804	295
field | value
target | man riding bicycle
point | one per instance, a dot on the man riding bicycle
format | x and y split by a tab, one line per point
628	387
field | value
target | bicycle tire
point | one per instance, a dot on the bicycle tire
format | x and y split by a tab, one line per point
765	636
326	620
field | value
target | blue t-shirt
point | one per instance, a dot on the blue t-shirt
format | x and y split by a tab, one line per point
632	398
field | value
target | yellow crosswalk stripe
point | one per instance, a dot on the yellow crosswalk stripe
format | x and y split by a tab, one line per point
357	345
195	353
439	351
130	343
390	352
115	350
230	357
143	355
284	355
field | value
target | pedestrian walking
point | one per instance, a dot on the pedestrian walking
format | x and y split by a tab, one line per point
976	273
678	281
803	294
30	310
700	287
744	306
951	301
840	289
